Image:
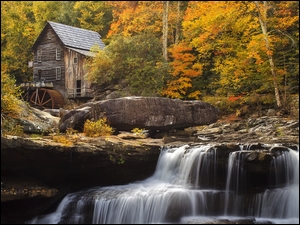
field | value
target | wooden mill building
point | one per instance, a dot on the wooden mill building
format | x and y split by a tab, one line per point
60	54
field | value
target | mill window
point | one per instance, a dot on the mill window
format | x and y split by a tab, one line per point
75	60
58	54
58	73
39	55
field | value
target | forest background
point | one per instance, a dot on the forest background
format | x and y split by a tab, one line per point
241	56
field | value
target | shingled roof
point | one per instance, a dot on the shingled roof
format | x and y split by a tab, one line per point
75	37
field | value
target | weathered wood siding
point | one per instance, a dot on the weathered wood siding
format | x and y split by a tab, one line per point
48	63
76	85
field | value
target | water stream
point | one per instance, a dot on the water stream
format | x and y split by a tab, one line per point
185	189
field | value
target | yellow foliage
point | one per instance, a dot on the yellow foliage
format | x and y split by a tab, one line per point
10	106
195	95
71	131
63	140
9	127
98	128
177	88
137	130
10	102
132	17
98	67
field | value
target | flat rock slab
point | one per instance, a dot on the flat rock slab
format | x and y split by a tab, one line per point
150	113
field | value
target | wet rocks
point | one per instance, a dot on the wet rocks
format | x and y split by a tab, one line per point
205	220
265	129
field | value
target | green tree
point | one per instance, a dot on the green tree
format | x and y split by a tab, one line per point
56	11
94	15
136	59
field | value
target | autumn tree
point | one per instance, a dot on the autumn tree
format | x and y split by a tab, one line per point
230	46
263	17
17	35
282	25
184	68
135	60
136	17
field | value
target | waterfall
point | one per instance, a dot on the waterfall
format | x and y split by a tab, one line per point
185	188
276	203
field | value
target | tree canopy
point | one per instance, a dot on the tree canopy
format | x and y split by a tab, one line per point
227	48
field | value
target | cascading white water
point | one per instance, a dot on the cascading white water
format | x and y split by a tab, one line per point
235	178
178	193
282	202
273	204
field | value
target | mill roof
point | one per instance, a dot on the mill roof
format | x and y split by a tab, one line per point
75	37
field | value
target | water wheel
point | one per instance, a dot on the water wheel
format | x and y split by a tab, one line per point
26	95
47	99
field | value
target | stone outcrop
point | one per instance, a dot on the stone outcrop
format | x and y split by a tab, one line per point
58	168
104	161
149	113
35	121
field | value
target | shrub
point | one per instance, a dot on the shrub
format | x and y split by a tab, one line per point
63	140
10	106
9	126
97	128
10	96
71	131
254	103
139	132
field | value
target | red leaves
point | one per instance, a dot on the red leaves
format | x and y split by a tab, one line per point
234	98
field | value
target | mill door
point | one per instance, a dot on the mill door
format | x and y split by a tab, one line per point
78	88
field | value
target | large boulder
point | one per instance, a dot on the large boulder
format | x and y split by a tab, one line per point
35	121
74	119
150	113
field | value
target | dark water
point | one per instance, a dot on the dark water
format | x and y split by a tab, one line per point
175	194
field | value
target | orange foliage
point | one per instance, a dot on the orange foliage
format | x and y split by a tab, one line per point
184	68
234	98
136	17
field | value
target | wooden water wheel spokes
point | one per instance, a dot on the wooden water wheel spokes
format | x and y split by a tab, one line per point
25	96
47	98
42	98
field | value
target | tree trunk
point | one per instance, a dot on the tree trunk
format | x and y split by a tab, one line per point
177	23
263	23
165	30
